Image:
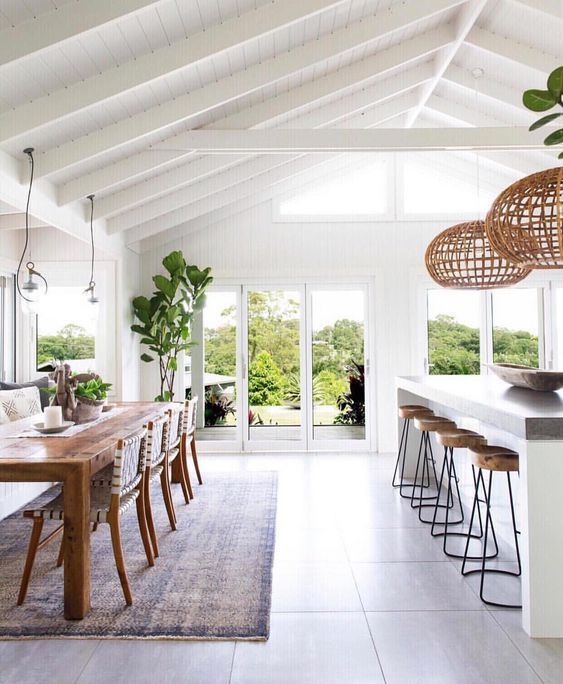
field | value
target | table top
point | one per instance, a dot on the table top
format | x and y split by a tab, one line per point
523	412
94	445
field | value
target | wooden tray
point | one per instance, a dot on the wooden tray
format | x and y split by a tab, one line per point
530	378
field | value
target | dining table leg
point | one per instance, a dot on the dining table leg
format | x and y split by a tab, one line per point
77	542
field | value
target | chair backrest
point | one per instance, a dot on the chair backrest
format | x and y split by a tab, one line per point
129	462
176	414
190	415
157	437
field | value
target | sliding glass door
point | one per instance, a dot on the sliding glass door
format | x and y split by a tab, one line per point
283	367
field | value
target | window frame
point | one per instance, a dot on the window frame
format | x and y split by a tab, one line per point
547	323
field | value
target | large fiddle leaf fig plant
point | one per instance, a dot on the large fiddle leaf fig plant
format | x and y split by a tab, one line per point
164	321
544	100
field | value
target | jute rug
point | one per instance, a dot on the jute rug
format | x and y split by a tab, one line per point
213	578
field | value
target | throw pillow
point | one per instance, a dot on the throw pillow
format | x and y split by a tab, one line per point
42	384
20	403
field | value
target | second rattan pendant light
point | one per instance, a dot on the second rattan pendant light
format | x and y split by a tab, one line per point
525	222
462	257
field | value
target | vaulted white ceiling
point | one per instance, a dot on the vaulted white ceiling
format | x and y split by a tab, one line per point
109	93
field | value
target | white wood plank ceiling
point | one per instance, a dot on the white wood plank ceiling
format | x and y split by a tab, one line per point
109	91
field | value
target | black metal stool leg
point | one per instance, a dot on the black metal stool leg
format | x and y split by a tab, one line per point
404	431
483	570
478	480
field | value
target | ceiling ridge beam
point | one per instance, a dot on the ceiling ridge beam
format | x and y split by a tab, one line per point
265	113
512	50
63	23
465	20
244	171
182	176
155	65
163	116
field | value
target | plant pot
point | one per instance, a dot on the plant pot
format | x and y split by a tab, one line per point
87	410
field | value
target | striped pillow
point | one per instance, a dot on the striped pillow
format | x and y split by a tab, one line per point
19	403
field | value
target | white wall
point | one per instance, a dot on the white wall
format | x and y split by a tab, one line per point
251	245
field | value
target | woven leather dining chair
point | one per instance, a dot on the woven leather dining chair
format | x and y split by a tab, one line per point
190	418
109	501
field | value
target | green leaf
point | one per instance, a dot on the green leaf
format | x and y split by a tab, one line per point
146	358
147	340
167	396
538	100
173	364
555	82
560	155
554	138
164	285
139	329
174	263
141	303
545	120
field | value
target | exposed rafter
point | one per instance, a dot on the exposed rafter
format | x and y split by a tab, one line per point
188	174
487	87
264	113
224	90
155	65
511	50
17	221
464	22
243	177
63	23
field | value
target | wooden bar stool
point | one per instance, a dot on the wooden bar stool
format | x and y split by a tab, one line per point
493	459
459	438
427	425
407	412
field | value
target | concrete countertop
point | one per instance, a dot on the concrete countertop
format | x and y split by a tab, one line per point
525	413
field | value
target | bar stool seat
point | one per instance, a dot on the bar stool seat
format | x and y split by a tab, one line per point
492	459
495	458
427	424
433	423
450	439
407	412
460	438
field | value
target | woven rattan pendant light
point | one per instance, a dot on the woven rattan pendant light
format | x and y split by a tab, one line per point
525	222
462	257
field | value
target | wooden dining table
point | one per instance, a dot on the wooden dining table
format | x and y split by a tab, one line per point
72	461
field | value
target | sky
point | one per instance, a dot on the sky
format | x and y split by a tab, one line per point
64	305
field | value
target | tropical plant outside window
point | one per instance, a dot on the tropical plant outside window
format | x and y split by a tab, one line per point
65	330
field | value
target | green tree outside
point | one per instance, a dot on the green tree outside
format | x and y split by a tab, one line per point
71	342
265	381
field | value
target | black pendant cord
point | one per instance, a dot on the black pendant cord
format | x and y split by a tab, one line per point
29	265
91	284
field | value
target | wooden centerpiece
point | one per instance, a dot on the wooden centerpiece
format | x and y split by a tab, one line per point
528	377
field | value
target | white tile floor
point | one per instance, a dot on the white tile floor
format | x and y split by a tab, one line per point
362	594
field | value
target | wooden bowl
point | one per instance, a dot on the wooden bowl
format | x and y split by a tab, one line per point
527	377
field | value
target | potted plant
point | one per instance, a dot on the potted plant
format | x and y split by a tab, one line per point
81	396
164	320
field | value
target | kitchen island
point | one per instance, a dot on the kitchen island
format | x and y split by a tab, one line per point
531	423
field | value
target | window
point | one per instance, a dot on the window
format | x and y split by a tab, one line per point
453	325
65	332
7	328
350	193
515	327
428	189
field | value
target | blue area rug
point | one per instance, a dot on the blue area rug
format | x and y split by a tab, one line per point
213	579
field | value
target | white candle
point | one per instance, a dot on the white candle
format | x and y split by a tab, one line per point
53	416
